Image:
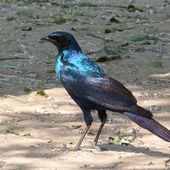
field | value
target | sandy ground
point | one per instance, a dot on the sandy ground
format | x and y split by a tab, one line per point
39	132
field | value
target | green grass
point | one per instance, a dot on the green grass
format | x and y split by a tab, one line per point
142	37
15	132
27	90
132	8
41	93
157	64
112	49
121	139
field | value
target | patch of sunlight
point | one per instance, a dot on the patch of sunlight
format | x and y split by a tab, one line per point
167	75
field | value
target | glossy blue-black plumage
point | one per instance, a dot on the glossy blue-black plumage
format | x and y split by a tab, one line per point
89	86
92	89
76	65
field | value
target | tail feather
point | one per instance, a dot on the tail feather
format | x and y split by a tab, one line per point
151	125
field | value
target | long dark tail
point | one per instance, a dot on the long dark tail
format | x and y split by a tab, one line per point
150	124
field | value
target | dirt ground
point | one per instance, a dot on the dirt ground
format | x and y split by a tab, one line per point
39	122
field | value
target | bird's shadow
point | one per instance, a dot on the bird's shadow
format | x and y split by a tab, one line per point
132	149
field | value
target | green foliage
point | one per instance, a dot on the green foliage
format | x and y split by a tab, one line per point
10	18
157	64
141	37
27	1
108	58
10	130
25	112
41	93
27	90
132	8
121	139
112	49
113	29
87	15
51	71
15	132
27	28
71	13
86	4
114	20
59	20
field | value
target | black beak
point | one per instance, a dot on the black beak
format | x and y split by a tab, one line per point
45	38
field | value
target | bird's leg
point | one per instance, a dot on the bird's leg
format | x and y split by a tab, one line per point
82	137
98	133
103	117
88	119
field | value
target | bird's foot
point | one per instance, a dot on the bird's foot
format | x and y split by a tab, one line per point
94	146
76	149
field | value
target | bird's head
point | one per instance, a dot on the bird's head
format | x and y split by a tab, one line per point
62	40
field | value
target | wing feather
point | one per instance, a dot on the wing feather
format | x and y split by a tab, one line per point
105	92
109	93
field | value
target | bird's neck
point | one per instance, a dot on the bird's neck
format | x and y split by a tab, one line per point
75	46
72	46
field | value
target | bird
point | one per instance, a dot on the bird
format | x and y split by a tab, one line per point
92	89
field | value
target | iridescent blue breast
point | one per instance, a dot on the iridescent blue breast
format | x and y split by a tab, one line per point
58	66
76	63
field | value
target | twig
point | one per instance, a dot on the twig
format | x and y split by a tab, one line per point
101	38
95	36
146	49
90	5
94	52
12	58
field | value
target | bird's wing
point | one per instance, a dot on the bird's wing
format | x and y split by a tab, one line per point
85	81
109	93
105	92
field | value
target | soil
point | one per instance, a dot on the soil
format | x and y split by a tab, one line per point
40	124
